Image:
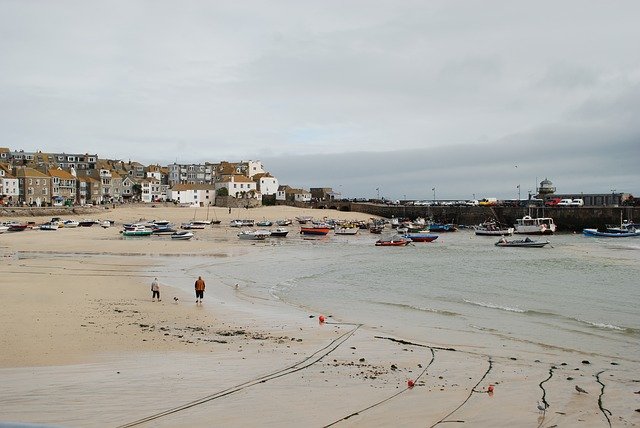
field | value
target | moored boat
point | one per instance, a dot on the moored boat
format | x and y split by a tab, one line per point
279	232
192	225
609	234
137	231
163	230
315	230
525	243
528	225
345	230
304	219
420	237
491	228
182	236
376	229
394	241
71	223
49	226
264	223
254	235
17	227
442	227
86	223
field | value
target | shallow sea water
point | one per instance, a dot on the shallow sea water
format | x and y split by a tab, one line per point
577	294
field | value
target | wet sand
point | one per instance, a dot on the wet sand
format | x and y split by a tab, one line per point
83	345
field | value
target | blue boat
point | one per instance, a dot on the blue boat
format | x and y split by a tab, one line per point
442	227
596	232
420	237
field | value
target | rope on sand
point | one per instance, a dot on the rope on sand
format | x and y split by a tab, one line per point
433	356
468	397
301	365
544	392
406	342
604	411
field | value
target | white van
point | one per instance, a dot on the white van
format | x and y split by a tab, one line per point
577	203
565	203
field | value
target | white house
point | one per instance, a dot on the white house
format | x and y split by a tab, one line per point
239	186
194	194
9	190
266	184
152	190
300	195
253	168
281	194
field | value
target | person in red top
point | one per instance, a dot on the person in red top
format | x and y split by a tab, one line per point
200	285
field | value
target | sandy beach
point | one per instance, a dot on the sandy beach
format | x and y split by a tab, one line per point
84	345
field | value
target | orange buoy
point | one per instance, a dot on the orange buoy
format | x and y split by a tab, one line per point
410	383
490	389
321	319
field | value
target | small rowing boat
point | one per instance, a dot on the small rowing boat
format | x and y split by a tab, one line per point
524	243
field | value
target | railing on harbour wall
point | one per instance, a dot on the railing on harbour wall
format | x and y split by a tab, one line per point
567	219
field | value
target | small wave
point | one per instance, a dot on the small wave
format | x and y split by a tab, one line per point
492	306
606	326
418	308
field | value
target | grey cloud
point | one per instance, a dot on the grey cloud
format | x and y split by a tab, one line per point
438	91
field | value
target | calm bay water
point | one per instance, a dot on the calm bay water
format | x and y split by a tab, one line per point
580	294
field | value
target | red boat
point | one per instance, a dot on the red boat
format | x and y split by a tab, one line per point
16	227
315	230
393	242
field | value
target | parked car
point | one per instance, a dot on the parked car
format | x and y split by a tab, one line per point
577	203
552	202
565	203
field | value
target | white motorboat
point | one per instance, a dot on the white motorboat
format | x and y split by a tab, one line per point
49	226
280	232
193	225
345	230
255	235
71	223
528	225
182	236
3	228
491	228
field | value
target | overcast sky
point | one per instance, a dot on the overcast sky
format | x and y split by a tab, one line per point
467	97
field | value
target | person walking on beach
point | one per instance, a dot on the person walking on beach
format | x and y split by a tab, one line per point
155	290
199	289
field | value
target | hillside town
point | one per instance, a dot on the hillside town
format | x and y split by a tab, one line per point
66	179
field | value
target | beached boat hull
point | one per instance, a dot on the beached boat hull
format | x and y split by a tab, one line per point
420	237
398	243
181	236
314	230
254	236
17	227
279	233
346	231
